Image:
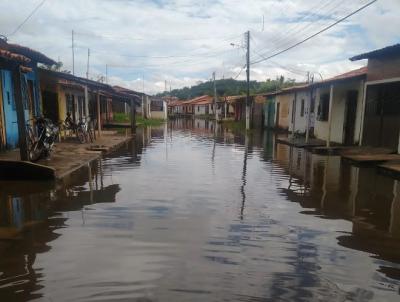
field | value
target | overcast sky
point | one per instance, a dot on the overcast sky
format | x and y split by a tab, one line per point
184	41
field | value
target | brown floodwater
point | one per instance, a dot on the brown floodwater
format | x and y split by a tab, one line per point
186	212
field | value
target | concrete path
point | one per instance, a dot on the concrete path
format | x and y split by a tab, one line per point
67	157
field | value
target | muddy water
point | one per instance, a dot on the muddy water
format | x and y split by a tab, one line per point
183	214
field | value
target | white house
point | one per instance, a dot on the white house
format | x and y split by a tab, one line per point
339	108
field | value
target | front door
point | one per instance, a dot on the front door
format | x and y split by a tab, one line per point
351	110
9	109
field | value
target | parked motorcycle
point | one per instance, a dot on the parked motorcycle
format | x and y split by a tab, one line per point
47	134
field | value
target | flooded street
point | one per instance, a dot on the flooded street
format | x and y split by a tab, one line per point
187	213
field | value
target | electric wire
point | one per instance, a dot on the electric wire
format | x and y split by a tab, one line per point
315	34
27	18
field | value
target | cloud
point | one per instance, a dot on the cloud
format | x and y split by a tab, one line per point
184	41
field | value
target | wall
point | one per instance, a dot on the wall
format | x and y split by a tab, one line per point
384	68
340	90
199	109
62	102
300	124
284	118
161	114
2	125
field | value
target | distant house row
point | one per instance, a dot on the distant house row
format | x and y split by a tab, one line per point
30	88
360	107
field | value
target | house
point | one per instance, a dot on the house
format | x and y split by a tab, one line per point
19	91
124	107
158	108
8	114
202	105
339	107
175	108
301	108
381	99
238	103
64	93
282	102
269	110
258	111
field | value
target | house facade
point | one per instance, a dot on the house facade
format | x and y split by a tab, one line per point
158	108
380	123
301	111
339	108
19	87
282	102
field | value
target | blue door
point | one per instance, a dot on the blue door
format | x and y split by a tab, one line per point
10	112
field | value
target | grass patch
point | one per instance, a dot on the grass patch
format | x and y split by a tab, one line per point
140	121
121	117
235	125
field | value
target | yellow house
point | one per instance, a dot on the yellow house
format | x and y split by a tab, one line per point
283	100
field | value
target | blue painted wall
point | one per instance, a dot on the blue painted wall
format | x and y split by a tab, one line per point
9	109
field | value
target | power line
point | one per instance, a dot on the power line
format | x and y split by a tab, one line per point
314	11
176	38
27	18
240	71
285	39
315	34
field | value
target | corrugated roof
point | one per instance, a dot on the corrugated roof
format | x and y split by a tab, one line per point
386	51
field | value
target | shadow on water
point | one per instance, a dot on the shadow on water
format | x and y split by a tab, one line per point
195	211
32	212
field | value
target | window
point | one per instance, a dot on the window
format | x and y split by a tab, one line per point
323	108
198	108
302	108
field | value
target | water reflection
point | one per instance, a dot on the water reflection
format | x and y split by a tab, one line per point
195	211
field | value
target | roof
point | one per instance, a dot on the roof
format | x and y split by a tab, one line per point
8	55
109	90
386	51
128	91
204	102
294	88
175	103
199	99
34	55
356	73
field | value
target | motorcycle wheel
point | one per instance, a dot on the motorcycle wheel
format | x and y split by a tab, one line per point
90	132
81	135
35	151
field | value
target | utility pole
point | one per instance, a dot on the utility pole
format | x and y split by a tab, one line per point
106	73
215	99
73	54
87	67
248	81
